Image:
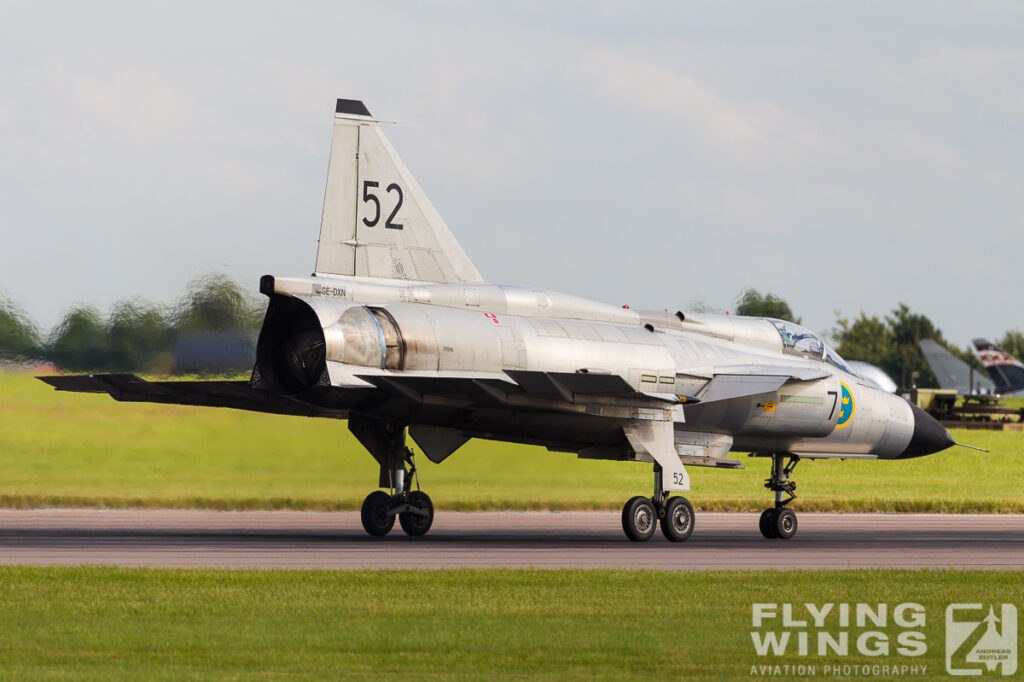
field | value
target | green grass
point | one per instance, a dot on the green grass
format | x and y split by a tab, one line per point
116	623
61	449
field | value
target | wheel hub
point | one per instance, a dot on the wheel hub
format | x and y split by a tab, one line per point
643	519
681	519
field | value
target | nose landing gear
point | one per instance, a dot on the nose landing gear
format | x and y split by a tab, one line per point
779	522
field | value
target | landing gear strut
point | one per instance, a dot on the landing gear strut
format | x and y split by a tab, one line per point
779	522
414	509
641	515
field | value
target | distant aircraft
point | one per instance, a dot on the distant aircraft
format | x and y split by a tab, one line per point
1006	371
396	330
953	373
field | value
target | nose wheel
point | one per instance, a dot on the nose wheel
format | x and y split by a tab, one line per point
779	522
641	516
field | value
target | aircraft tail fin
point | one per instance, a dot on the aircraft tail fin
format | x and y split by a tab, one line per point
951	371
377	222
1007	372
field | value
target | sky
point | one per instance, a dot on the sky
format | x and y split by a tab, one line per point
846	157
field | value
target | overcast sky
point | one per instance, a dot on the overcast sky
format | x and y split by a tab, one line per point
655	154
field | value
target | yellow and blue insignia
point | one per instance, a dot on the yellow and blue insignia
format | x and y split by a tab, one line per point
847	405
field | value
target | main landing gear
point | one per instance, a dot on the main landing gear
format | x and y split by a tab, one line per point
413	508
385	440
642	515
779	522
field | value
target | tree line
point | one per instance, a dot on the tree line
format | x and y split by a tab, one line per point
141	336
136	335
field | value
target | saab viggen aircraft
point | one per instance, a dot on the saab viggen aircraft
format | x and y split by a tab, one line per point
397	332
1007	372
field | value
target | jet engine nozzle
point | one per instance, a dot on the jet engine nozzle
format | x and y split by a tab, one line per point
300	335
291	352
302	358
929	435
365	337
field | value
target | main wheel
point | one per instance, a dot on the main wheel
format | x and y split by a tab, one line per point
374	514
785	523
677	524
639	519
766	524
414	524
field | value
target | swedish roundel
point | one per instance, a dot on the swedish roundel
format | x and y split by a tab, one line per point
846	406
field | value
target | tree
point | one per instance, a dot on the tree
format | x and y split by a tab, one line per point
218	303
79	343
867	339
892	343
219	317
19	338
908	328
753	303
1013	343
137	333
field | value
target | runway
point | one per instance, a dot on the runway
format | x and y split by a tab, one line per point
176	538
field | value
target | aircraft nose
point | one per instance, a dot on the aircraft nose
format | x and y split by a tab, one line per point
929	435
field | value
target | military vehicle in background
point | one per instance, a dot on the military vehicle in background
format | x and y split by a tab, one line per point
966	397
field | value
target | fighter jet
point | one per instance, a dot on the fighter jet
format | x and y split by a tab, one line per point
397	332
1006	371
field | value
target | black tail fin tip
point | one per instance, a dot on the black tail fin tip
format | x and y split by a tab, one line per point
353	107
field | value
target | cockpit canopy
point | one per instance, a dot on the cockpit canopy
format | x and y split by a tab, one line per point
797	340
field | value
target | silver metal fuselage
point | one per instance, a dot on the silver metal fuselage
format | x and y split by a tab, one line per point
481	333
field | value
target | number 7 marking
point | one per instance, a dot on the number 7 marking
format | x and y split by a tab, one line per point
835	399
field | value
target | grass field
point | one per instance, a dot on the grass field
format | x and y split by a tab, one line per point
111	623
59	449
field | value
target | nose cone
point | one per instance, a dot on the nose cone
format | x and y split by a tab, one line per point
929	435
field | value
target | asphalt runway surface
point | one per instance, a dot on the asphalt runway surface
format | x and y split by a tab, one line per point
189	538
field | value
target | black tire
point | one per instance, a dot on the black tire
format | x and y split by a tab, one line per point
677	524
766	524
374	514
785	523
639	519
414	524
